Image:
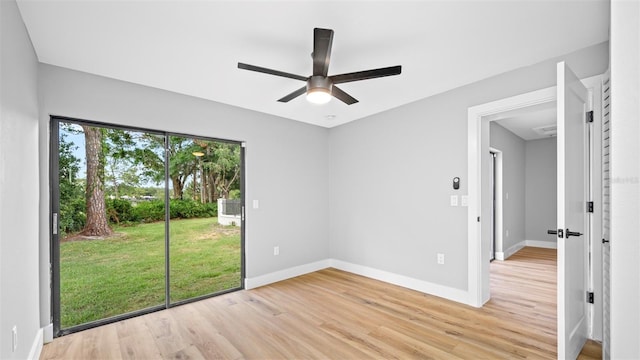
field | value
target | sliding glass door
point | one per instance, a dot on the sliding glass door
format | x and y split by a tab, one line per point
135	221
205	249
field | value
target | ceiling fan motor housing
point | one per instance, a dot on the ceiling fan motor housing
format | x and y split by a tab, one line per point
319	83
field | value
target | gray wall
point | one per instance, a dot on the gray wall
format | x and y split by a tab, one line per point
513	184
541	189
392	172
19	263
286	161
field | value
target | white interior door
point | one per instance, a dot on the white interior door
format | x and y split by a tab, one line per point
572	213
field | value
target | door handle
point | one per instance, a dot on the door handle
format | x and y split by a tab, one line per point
558	232
573	233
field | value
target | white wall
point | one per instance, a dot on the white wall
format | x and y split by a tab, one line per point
286	161
405	159
625	184
513	186
541	189
19	263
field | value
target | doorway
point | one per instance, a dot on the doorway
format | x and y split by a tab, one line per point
135	221
478	194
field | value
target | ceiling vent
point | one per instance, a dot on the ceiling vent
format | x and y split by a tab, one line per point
547	130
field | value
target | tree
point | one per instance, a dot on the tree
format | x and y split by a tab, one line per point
130	162
97	224
72	204
181	160
226	167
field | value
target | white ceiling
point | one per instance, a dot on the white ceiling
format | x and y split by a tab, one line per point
193	47
522	122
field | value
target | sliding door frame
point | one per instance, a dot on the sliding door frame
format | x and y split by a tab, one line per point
169	303
54	196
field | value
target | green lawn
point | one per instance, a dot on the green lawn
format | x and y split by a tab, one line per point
103	278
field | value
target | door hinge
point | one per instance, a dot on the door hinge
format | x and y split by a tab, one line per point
590	116
590	206
590	297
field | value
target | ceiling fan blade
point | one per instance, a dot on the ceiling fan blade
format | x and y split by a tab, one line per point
367	74
270	71
322	41
294	94
342	96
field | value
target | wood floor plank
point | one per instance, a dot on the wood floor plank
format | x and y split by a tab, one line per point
136	340
331	314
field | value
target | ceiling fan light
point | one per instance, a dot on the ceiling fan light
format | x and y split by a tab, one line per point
318	96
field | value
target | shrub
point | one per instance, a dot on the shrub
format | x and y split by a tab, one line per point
187	209
149	211
73	216
234	194
123	212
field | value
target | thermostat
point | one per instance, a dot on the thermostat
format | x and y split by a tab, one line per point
456	183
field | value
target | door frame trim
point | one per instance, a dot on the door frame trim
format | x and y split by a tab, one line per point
497	210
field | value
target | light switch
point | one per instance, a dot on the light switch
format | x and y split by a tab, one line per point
454	200
464	200
256	204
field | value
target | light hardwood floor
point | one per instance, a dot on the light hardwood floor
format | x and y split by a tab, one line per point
331	314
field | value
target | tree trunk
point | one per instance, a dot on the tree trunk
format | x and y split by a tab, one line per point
195	184
97	224
177	188
212	188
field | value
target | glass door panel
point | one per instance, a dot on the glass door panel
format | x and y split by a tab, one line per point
110	242
205	249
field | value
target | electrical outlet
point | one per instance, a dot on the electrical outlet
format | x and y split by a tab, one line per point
464	200
276	250
440	259
454	200
14	339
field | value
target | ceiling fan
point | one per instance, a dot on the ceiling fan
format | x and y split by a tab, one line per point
320	87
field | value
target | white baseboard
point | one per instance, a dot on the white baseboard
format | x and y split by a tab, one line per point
252	283
510	251
533	243
47	334
542	244
426	287
461	296
36	347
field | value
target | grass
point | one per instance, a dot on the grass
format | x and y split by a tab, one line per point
124	273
